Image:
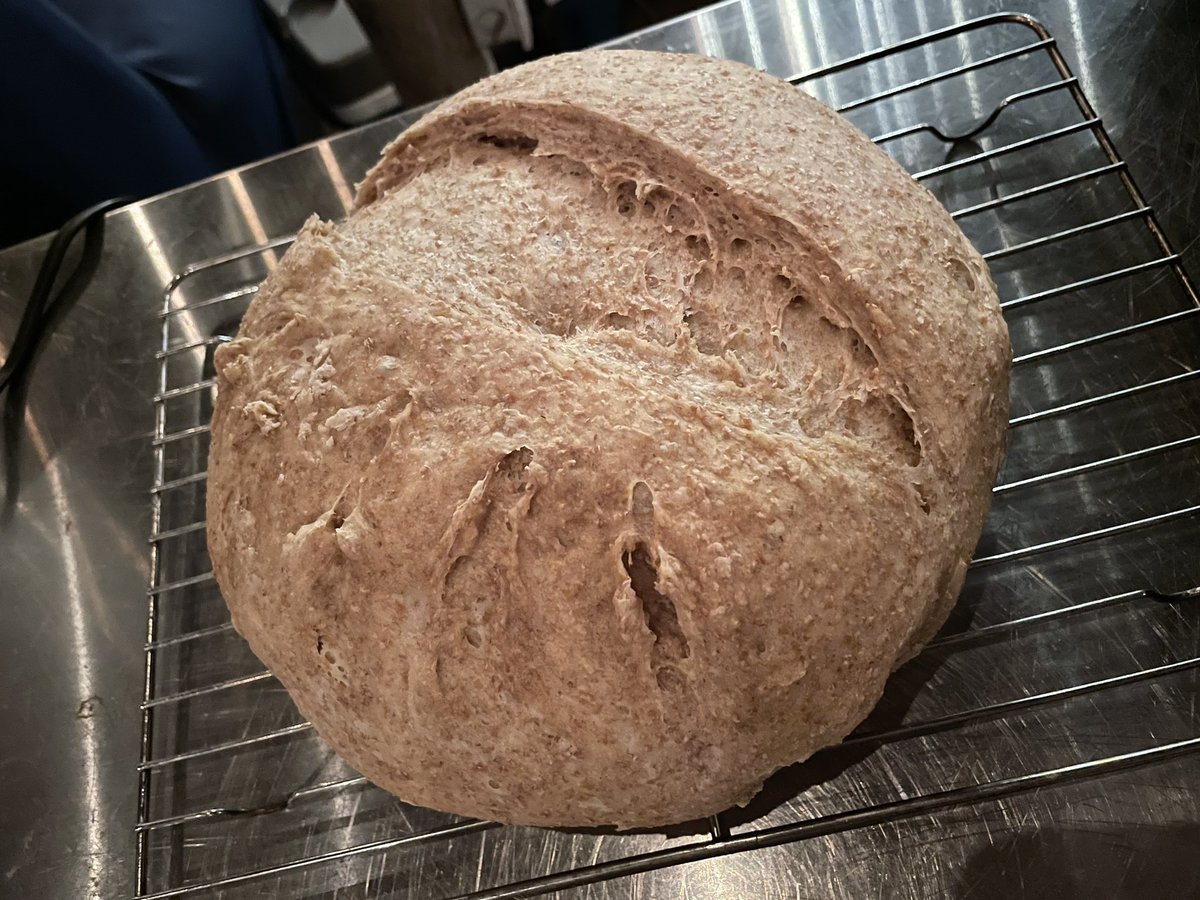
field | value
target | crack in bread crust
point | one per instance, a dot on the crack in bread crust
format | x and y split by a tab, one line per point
814	324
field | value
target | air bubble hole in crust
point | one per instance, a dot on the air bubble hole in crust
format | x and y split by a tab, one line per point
519	142
962	273
698	247
626	196
659	610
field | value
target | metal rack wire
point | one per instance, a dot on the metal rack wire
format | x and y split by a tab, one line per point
237	792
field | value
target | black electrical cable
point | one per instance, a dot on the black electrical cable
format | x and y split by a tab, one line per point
44	308
42	313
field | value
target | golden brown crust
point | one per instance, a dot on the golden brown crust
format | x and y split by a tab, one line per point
638	422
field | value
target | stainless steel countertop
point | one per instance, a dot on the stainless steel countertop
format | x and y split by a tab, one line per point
74	564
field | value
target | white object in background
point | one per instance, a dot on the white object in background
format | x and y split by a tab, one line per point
334	59
494	22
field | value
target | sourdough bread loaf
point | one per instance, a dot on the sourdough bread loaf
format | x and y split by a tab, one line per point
636	424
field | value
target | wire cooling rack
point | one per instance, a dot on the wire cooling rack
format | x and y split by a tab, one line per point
1073	653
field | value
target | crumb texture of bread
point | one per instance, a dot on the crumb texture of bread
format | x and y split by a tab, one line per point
637	423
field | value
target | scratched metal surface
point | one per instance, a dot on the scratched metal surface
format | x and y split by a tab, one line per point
1052	662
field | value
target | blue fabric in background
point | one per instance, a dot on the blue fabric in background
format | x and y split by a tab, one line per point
101	98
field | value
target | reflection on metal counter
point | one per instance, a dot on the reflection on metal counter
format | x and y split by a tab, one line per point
1048	740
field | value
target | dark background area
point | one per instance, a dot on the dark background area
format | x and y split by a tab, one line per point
131	98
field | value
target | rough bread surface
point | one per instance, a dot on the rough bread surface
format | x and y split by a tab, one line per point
636	424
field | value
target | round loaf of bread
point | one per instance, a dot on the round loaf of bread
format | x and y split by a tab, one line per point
638	421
